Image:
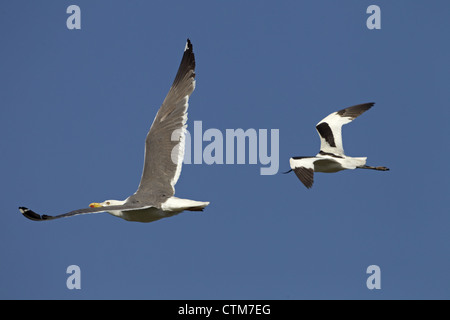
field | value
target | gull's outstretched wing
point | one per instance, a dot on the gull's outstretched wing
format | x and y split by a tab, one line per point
30	214
330	128
165	142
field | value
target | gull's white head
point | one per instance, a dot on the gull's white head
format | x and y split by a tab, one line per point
107	203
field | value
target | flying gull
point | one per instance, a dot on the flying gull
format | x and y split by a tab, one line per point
331	157
164	152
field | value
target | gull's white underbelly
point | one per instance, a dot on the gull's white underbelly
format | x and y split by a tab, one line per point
143	215
169	208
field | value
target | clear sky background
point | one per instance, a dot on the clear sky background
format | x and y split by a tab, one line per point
76	106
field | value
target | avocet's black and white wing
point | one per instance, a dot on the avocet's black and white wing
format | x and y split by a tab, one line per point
165	142
303	168
330	128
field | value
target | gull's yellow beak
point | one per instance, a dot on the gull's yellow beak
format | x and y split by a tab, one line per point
95	205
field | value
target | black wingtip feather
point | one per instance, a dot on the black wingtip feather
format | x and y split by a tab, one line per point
188	45
187	64
29	214
355	111
305	175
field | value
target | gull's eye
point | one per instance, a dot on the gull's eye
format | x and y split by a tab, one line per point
108	203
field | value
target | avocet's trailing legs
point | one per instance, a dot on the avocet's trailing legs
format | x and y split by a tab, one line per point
331	157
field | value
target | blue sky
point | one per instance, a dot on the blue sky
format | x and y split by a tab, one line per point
76	106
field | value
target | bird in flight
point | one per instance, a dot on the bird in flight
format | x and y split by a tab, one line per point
331	157
164	153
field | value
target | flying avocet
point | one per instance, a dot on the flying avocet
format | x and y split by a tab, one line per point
331	157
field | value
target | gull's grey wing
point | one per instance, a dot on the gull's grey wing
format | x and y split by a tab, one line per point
165	142
30	214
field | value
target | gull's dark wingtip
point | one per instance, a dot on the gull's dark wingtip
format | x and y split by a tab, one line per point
29	214
187	65
189	48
